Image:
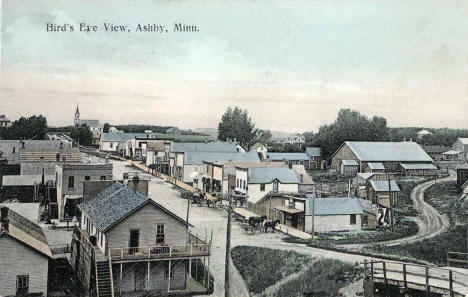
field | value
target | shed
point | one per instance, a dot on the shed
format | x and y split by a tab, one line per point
418	169
349	167
334	214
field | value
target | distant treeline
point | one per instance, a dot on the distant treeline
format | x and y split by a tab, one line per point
134	128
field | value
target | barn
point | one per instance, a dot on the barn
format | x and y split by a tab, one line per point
389	154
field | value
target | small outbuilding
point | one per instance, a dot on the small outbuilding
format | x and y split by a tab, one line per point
349	167
334	214
378	192
416	169
374	167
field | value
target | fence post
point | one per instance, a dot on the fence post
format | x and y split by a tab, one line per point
404	277
427	280
366	273
451	283
384	272
372	269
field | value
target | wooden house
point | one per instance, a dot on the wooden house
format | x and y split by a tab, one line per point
25	254
128	244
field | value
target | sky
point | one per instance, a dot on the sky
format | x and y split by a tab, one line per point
291	64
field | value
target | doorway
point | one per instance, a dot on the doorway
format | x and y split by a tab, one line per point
134	240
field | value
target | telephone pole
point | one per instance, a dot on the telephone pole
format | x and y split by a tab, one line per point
228	250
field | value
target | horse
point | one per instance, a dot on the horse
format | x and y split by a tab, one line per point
270	224
255	221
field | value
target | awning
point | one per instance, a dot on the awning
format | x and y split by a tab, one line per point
288	210
452	152
350	162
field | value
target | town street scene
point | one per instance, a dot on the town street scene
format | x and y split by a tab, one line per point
236	149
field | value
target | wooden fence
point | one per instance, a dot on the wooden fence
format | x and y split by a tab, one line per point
456	259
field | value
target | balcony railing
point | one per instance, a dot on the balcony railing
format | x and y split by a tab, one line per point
195	248
160	252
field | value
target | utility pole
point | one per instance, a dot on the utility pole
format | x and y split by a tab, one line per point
313	217
228	250
391	201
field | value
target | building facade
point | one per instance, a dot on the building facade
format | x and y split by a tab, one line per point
69	182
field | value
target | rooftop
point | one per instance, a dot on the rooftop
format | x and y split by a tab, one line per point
463	140
313	151
388	151
413	166
197	158
268	175
376	166
25	180
335	206
27	232
287	156
215	146
382	185
115	203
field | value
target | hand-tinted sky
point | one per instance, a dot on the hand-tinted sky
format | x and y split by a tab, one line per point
292	64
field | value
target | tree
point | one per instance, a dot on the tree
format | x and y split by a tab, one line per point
82	134
351	126
262	136
106	127
34	127
236	124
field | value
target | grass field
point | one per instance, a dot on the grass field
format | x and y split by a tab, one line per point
263	267
434	250
324	278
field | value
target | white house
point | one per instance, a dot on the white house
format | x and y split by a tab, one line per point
262	181
334	214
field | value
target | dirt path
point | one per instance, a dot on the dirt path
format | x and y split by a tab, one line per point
430	222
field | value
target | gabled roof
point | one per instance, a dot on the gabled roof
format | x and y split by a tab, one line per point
463	140
388	151
268	175
382	185
300	170
27	233
197	158
215	146
335	206
115	203
287	156
313	151
350	162
376	166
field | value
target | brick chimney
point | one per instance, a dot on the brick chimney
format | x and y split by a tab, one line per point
4	220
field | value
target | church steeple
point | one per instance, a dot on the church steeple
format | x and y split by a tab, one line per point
77	116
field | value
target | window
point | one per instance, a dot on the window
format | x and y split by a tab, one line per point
111	144
14	150
195	169
262	187
22	284
103	177
71	182
275	186
244	184
57	157
365	221
237	182
87	177
352	219
160	233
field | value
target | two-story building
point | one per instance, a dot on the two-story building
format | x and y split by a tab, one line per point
69	182
461	145
262	181
315	157
129	245
25	254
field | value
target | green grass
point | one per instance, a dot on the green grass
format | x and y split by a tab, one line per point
322	176
263	267
434	250
324	278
